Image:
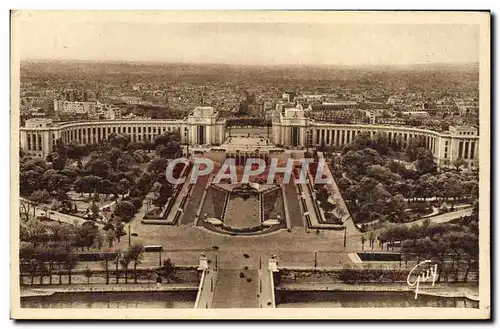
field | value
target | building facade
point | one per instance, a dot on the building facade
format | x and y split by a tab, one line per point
293	129
290	129
74	107
201	127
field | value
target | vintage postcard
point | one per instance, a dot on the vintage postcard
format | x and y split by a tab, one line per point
235	165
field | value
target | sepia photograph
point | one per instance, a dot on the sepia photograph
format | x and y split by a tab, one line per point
241	164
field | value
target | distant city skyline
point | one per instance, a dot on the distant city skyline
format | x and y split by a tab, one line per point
250	43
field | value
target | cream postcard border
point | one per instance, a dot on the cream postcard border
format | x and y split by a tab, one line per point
482	19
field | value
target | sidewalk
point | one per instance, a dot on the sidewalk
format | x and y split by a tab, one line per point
26	292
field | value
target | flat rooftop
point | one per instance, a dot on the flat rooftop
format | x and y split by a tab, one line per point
247	143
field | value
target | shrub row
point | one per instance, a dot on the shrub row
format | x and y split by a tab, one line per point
372	275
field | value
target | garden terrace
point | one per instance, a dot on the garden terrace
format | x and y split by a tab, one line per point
215	203
273	204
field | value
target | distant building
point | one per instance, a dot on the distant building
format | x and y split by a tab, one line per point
288	96
70	95
415	113
113	113
131	99
69	107
36	112
333	106
468	107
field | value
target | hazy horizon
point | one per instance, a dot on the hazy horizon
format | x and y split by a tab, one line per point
146	62
261	44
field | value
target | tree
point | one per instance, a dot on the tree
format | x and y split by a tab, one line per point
372	237
100	168
58	161
459	162
87	184
168	268
343	183
123	186
398	206
144	183
119	255
125	210
426	186
74	150
382	174
69	263
29	181
135	254
88	274
119	140
161	200
380	143
86	235
363	240
39	196
27	255
35	232
412	148
46	254
99	240
114	156
106	257
137	202
125	262
322	194
106	187
119	231
425	163
110	237
42	270
59	183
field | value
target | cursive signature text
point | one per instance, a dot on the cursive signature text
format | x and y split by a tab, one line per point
430	273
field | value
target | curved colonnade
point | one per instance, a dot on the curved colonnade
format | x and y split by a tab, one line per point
38	136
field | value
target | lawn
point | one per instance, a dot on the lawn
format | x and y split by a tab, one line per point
242	213
213	206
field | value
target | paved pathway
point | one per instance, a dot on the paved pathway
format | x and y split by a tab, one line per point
206	289
233	291
194	202
294	211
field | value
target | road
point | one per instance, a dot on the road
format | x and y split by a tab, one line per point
64	218
444	217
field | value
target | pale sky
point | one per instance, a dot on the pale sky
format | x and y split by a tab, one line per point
250	43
